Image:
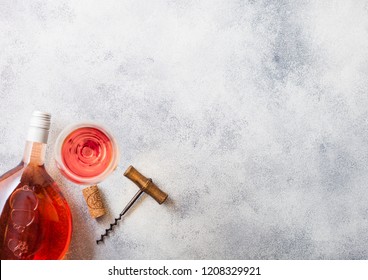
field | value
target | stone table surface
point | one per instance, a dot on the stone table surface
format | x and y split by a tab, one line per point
252	115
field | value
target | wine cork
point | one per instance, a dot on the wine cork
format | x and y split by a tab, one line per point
94	201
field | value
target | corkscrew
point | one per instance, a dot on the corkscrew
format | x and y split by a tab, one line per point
145	185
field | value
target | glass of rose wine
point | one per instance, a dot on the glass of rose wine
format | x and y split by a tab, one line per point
86	153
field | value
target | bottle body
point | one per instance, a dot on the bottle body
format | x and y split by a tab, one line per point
35	221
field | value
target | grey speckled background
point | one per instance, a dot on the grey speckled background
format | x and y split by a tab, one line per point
252	115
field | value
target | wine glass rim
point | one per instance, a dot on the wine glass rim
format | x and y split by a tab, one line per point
66	171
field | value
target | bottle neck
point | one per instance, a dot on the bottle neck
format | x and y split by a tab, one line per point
34	153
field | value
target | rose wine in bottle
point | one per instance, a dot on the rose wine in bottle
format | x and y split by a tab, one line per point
35	221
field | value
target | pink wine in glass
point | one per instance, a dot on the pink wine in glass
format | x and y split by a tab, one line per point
86	153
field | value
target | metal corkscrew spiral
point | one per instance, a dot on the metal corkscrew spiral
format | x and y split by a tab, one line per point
131	202
145	185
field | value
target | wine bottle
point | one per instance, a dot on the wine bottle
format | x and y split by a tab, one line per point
35	221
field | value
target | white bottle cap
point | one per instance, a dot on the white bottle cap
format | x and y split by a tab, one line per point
39	127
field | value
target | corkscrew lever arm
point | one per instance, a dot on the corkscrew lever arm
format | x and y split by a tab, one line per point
145	185
131	202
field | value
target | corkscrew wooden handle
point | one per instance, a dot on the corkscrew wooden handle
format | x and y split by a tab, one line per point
146	184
